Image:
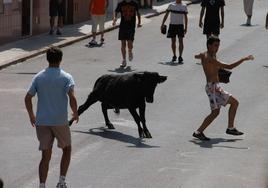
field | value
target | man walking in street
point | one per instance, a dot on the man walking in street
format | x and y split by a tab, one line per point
217	96
248	8
97	10
53	86
177	27
56	9
128	10
212	23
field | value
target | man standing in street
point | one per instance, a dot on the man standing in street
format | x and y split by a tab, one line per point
212	23
128	10
53	86
56	9
217	96
177	27
97	10
248	8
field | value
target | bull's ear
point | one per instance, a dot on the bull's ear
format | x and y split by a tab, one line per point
161	79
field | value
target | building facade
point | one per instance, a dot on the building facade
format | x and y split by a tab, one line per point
25	18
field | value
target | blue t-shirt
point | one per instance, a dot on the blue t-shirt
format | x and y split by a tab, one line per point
52	86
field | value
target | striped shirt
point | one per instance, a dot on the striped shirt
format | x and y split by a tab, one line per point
177	13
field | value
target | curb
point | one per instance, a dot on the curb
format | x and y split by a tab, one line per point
72	41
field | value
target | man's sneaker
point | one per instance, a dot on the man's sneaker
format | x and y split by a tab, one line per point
92	42
180	60
61	185
200	136
124	63
130	55
51	31
174	58
58	32
234	131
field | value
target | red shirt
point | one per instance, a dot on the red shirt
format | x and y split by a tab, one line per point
98	7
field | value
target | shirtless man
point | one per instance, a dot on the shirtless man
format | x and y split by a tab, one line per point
217	96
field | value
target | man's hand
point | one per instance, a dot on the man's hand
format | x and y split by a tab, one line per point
250	57
185	30
199	56
222	25
75	117
201	24
32	120
114	22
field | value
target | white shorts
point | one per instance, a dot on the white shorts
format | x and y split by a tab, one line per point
216	95
98	20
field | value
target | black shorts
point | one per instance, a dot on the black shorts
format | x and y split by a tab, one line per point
175	30
56	8
210	28
126	34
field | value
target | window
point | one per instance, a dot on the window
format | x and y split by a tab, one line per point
1	6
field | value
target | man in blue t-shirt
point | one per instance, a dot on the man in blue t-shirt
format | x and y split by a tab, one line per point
53	86
128	10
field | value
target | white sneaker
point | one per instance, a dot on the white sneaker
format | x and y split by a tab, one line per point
61	185
130	55
124	63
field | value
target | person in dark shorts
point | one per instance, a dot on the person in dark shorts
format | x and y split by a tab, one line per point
56	9
177	27
212	23
128	10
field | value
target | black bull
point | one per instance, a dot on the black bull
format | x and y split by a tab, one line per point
127	91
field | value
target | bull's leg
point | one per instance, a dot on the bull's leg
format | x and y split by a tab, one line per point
137	120
104	108
143	121
91	99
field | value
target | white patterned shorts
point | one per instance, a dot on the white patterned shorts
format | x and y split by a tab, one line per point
216	95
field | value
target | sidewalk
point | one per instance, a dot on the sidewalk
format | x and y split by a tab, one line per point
21	50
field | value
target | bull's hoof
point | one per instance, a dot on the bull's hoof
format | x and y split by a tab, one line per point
110	125
147	134
142	134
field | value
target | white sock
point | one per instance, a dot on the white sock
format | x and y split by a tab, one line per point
42	185
62	179
197	132
232	128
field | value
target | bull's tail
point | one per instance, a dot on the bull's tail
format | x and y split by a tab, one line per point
91	99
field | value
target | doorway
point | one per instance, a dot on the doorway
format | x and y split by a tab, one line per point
26	16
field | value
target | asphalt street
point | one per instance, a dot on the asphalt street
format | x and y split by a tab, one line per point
172	158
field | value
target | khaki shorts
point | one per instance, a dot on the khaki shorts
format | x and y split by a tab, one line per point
47	134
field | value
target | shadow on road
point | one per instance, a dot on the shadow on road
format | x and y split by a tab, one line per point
215	141
114	135
246	25
122	69
170	63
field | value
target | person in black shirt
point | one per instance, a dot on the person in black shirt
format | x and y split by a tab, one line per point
212	23
128	10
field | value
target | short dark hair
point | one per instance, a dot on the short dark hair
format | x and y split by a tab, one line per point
1	184
54	55
212	39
